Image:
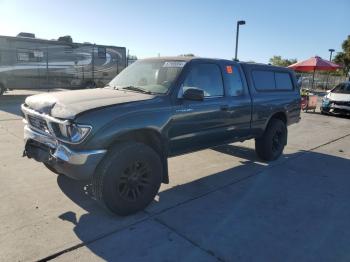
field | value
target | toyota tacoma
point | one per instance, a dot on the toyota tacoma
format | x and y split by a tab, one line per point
119	137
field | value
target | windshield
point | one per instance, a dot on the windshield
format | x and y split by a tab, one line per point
148	76
342	89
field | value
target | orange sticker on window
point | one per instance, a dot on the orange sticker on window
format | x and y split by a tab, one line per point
229	69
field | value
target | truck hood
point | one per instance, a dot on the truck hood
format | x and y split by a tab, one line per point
338	97
68	104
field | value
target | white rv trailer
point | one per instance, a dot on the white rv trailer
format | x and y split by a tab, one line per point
27	62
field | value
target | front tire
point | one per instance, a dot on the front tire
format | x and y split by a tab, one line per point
270	146
128	178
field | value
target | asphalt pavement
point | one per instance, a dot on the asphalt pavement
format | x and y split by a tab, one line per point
222	204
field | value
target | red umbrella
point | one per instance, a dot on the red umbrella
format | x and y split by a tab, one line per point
314	63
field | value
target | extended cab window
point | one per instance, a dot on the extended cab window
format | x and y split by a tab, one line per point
206	77
235	85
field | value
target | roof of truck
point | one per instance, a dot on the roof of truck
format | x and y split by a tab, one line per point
178	58
189	58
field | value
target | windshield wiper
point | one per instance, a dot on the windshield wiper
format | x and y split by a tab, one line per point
137	89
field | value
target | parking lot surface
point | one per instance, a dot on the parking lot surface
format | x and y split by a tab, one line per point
222	204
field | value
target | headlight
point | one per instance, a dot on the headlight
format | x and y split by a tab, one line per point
73	133
78	132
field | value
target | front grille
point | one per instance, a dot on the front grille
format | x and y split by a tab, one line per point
38	123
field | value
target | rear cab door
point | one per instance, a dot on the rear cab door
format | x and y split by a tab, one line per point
238	100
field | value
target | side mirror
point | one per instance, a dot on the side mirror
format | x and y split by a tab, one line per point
194	94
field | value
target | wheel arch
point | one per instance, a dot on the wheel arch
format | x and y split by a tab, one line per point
151	138
280	115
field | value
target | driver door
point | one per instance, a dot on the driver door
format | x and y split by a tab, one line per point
200	124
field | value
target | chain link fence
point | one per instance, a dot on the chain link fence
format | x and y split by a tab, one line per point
322	81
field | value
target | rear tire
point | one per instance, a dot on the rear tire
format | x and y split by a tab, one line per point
270	146
128	178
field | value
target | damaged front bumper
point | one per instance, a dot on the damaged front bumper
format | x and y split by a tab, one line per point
336	107
78	165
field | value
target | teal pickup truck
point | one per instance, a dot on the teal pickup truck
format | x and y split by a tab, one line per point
119	137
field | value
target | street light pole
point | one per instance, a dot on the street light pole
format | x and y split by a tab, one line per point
241	22
330	60
330	55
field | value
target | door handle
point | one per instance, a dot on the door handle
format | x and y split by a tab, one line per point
224	108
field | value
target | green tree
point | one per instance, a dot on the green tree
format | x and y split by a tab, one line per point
343	58
279	61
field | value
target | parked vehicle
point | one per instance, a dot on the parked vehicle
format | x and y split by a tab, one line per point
120	136
27	62
337	100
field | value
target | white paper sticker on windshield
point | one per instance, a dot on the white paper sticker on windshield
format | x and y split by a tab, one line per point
174	64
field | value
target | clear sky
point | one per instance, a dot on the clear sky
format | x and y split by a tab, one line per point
293	29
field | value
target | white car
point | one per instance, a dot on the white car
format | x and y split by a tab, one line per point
337	100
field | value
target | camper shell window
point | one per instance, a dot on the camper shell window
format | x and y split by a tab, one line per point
267	80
